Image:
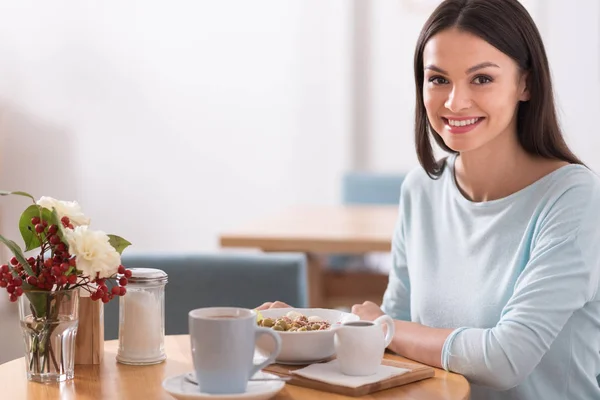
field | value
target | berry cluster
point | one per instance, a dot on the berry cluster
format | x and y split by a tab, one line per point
58	271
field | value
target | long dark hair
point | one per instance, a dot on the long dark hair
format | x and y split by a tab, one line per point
506	25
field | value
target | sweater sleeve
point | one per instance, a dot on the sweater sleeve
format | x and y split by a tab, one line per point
560	277
396	299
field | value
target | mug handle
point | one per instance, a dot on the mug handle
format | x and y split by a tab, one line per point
271	359
391	328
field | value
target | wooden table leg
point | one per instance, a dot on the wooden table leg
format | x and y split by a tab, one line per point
315	281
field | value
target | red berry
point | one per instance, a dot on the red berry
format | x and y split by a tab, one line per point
48	286
54	239
116	290
19	291
39	228
123	291
17	281
3	284
72	279
56	271
128	273
32	280
65	220
73	262
53	229
100	282
121	270
48	263
71	226
65	267
62	280
41	285
4	269
35	220
105	298
31	260
13	297
10	289
45	223
14	261
123	281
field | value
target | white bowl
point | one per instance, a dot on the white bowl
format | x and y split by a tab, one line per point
304	347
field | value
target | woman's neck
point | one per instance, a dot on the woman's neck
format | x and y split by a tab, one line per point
499	170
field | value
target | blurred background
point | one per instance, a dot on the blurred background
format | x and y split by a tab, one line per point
170	122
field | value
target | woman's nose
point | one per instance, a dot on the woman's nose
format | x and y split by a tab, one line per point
458	100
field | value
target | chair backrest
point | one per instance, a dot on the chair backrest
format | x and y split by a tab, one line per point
371	188
223	279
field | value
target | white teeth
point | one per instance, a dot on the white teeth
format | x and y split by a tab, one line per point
464	122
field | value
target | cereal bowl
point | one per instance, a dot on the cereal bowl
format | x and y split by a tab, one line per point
304	347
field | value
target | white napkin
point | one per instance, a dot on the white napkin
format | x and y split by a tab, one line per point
330	373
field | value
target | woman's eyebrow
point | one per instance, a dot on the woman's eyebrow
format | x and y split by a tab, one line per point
470	70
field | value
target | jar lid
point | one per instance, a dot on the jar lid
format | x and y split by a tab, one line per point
147	275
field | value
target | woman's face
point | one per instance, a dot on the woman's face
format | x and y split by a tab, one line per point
471	90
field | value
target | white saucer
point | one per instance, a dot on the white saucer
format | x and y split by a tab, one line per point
180	388
306	362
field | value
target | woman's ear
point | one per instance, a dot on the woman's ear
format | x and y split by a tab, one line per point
524	94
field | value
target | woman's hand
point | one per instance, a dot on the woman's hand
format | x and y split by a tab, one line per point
276	304
367	311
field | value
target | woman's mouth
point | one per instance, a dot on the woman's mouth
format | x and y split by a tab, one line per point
461	125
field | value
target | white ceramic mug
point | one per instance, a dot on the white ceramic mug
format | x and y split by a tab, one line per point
359	345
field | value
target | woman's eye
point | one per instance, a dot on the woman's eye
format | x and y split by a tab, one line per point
438	80
482	80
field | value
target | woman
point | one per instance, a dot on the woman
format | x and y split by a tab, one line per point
497	247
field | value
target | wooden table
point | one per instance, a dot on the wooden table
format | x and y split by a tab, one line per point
321	229
112	380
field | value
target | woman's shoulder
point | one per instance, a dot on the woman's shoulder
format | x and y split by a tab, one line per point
418	179
574	179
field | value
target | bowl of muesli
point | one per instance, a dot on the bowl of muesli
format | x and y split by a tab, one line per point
306	333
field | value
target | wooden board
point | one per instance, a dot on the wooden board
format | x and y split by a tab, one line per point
89	341
418	372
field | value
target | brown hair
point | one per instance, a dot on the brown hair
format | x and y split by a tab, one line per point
506	25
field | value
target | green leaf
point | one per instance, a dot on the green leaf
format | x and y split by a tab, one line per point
54	220
16	250
38	303
118	243
18	193
27	229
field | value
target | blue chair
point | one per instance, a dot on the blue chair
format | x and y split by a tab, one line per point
371	188
222	279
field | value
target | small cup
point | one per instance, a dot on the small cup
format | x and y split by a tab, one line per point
359	345
223	341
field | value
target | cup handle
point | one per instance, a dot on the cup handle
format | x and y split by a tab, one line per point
391	328
273	355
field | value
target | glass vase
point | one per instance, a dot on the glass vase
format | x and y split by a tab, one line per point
49	325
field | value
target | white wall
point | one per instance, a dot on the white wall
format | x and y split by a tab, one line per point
171	121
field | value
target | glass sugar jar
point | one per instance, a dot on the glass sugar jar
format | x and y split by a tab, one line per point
142	318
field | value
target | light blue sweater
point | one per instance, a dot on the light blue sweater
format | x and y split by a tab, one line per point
517	278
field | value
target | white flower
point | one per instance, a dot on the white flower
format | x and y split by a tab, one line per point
93	251
70	209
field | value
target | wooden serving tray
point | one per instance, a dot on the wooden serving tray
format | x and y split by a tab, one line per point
417	372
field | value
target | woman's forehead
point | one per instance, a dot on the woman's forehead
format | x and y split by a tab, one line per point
458	50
